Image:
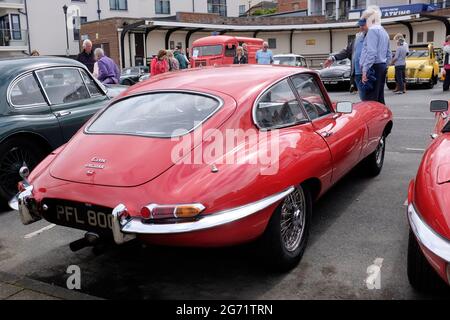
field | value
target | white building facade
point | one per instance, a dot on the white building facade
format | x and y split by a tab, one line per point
13	28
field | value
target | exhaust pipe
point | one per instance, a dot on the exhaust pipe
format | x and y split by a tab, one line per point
90	239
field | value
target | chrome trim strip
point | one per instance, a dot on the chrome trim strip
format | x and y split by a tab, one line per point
135	225
427	236
25	106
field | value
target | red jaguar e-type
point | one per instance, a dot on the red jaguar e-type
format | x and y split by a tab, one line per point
429	210
208	157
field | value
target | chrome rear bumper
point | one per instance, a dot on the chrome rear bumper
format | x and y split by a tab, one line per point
27	206
126	228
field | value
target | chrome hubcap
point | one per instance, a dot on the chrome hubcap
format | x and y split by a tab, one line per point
380	151
293	215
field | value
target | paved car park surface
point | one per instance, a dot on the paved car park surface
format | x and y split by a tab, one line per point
360	220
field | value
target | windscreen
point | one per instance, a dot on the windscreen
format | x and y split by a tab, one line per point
165	114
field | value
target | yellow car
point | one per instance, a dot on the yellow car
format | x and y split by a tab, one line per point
421	67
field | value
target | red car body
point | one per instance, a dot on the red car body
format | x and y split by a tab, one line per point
138	170
428	210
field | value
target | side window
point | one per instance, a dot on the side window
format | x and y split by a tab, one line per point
278	107
311	96
26	92
230	51
63	85
90	83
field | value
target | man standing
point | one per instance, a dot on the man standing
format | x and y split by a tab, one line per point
182	60
264	55
352	52
446	70
399	62
375	56
86	57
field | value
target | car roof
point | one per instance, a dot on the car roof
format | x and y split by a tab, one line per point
11	67
220	39
234	80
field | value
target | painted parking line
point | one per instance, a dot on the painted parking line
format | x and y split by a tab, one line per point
415	149
37	232
373	280
413	118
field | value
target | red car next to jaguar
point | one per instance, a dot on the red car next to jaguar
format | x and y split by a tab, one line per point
429	210
152	165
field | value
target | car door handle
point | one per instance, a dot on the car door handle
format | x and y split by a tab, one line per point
62	114
326	134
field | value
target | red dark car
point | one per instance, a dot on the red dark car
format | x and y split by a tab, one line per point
429	210
208	157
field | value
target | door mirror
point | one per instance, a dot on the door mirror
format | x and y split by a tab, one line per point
344	107
439	106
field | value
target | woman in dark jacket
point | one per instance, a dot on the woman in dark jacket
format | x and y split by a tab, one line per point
240	57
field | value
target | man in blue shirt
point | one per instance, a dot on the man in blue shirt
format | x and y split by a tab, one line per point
353	52
264	55
375	56
399	62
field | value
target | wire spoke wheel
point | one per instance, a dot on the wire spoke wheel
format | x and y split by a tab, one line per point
10	163
293	219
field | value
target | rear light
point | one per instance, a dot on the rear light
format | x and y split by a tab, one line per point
154	211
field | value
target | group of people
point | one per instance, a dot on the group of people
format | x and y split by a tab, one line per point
168	60
370	54
102	67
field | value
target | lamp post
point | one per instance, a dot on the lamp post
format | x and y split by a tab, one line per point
67	30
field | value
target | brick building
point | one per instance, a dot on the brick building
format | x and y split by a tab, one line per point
292	5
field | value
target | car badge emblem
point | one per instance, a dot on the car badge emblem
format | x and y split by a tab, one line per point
96	163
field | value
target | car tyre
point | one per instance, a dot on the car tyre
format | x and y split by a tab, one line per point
430	85
374	162
421	275
285	238
13	154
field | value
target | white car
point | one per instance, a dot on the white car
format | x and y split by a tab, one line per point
294	60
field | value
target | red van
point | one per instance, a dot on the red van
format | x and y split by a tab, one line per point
216	50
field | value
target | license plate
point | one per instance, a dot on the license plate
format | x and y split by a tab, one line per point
330	82
78	215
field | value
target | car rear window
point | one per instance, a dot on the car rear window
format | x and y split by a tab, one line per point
205	51
164	115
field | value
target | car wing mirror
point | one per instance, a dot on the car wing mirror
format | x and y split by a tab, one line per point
344	107
439	105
